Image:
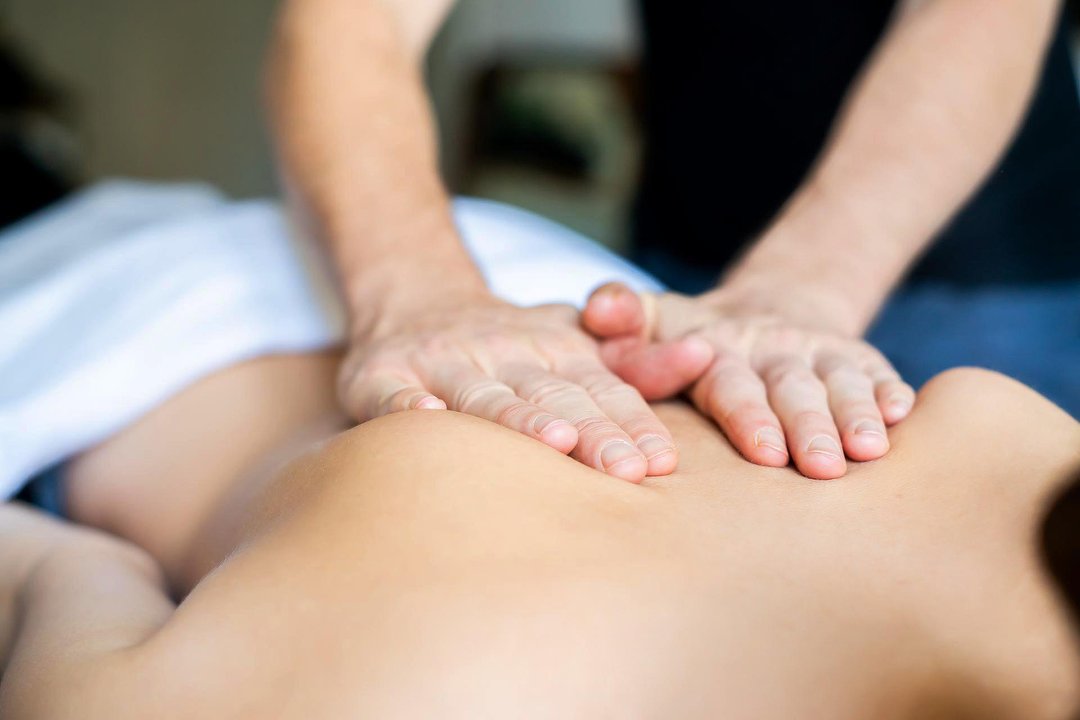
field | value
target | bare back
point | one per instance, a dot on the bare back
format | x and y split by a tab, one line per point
433	564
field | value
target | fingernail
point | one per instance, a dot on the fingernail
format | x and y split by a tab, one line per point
770	438
615	453
429	403
824	445
609	294
868	427
899	402
654	446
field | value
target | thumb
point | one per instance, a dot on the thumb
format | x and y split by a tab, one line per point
614	310
657	370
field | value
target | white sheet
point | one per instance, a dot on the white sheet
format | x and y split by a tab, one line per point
117	298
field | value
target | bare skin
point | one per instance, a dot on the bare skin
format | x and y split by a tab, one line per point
932	111
417	301
396	571
768	388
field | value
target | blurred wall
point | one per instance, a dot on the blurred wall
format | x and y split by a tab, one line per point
165	89
161	89
479	31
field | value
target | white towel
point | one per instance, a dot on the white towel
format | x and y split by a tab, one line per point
116	299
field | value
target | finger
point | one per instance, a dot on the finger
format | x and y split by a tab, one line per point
628	409
614	310
657	370
385	394
800	400
854	409
733	395
602	444
471	391
894	397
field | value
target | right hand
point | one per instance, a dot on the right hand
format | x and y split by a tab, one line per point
781	385
533	370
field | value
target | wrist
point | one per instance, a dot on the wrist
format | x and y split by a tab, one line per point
383	305
817	265
398	250
388	275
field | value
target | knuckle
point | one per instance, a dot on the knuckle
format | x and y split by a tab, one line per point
552	391
593	427
790	372
892	386
567	343
471	398
786	336
880	370
397	401
370	375
641	425
781	339
832	363
725	336
612	391
728	370
516	414
872	355
847	377
421	349
370	367
739	413
854	412
814	419
500	344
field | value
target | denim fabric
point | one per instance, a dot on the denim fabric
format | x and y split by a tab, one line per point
1029	333
46	491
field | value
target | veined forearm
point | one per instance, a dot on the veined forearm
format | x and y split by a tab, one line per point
357	145
930	116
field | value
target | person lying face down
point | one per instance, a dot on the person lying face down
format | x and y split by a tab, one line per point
433	564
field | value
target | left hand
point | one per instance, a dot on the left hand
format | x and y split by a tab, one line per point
532	370
778	387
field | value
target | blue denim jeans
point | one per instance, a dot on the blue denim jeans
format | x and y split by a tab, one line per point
46	491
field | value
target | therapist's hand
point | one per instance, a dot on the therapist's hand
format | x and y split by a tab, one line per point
779	387
531	370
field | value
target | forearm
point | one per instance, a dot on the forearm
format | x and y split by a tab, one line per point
357	145
929	117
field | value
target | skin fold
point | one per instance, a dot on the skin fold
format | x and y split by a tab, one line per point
394	570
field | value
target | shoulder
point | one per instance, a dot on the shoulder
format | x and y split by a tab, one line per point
997	413
1015	450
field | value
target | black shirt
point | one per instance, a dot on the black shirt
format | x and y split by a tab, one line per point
741	96
27	184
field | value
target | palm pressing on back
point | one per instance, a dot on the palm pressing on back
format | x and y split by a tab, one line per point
778	389
533	370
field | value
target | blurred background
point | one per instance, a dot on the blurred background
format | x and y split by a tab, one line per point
538	104
536	100
532	98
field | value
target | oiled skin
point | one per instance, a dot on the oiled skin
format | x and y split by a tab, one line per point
431	564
